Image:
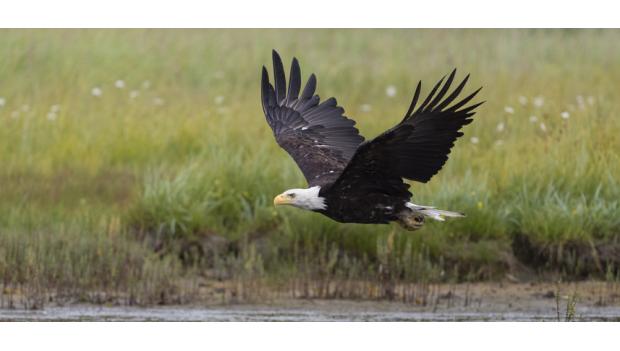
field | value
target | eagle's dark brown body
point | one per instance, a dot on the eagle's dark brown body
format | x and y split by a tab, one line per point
363	208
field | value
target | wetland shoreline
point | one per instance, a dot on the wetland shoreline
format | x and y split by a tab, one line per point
497	301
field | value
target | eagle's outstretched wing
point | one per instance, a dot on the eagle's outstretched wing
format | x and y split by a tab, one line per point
318	136
416	148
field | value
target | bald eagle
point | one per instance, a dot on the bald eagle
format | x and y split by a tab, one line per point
355	181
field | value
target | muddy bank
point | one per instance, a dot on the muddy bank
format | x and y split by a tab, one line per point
585	301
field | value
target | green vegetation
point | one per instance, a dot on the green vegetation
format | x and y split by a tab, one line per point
138	164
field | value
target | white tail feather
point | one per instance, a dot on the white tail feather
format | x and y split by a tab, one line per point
433	213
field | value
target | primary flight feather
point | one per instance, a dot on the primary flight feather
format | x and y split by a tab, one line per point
355	181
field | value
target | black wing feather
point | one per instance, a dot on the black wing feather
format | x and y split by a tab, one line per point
414	101
294	84
279	78
318	136
309	88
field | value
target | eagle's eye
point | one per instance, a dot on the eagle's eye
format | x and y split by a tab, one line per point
291	195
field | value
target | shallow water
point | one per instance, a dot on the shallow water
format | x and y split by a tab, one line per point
257	313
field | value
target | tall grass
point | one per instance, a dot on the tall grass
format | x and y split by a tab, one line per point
181	154
88	259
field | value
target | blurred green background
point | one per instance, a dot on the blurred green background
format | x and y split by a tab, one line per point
138	163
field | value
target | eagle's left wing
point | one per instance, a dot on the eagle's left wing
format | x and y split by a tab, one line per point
416	148
318	136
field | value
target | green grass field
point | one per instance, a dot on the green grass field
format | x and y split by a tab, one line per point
134	161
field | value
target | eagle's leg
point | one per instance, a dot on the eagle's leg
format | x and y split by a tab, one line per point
413	217
411	220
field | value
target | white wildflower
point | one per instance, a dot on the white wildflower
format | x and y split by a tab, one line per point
52	116
509	110
55	108
25	108
365	108
218	100
543	127
134	94
96	91
2	102
146	84
15	114
500	127
390	91
590	100
581	102
533	119
474	140
539	101
120	84
522	100
565	115
158	101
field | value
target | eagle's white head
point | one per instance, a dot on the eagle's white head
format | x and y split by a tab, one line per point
307	199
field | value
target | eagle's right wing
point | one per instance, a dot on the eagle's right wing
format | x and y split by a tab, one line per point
319	137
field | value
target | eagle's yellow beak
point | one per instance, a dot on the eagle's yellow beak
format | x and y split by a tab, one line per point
281	200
